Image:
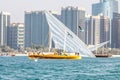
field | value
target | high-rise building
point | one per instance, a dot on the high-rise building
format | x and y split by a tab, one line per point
73	18
4	23
94	33
104	29
16	36
116	31
96	29
87	25
36	29
105	7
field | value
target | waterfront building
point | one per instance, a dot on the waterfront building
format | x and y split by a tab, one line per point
96	29
116	31
87	29
16	36
73	18
104	29
105	7
36	29
4	23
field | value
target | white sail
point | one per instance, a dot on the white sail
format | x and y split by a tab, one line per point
93	48
65	39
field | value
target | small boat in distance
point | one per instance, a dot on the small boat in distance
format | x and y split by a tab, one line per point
54	55
103	55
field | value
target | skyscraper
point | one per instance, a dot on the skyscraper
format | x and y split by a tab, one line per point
16	36
105	7
4	23
96	29
104	29
116	31
73	18
36	29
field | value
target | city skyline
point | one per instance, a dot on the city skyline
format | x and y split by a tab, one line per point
71	15
17	8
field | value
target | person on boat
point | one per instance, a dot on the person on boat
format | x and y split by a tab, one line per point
76	53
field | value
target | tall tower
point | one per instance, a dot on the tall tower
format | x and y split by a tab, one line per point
94	30
36	29
105	7
16	35
97	29
72	18
4	23
116	31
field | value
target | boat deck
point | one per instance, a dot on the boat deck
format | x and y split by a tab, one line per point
54	56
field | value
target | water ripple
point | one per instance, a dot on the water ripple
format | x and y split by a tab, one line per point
21	68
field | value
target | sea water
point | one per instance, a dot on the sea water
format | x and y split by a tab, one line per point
22	68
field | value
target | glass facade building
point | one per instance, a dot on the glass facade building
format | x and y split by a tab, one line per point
36	29
16	36
105	7
4	23
72	18
97	29
116	31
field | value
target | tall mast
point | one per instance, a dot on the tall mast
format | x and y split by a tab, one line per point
50	40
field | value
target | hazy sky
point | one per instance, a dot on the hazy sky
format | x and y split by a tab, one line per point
17	7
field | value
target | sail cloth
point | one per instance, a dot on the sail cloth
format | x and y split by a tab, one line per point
98	46
64	38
